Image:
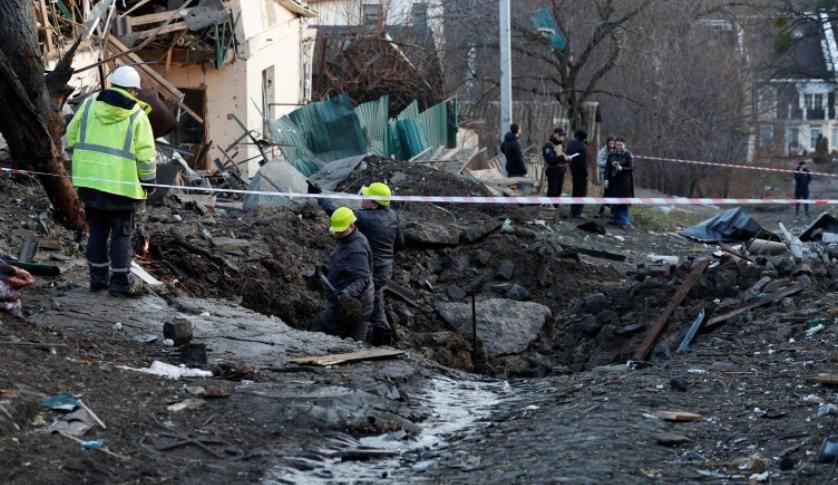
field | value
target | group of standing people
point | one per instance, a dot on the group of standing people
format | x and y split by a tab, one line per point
614	164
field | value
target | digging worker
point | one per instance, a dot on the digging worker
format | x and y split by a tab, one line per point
113	153
380	224
577	151
511	149
350	274
555	163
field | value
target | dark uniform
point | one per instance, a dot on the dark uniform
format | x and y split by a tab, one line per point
384	233
350	272
511	148
620	178
556	164
579	172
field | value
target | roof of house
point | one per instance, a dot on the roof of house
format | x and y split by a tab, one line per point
813	53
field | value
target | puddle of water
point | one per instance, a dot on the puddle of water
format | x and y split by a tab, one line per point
453	407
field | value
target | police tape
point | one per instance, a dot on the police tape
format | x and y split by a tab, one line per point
728	165
445	199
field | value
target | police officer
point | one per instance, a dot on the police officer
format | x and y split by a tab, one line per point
380	224
555	162
350	274
113	153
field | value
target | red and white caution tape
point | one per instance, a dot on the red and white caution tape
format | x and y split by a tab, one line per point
727	165
443	199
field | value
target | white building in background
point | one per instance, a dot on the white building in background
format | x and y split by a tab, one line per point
416	13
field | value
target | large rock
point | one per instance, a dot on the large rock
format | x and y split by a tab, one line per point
429	233
504	326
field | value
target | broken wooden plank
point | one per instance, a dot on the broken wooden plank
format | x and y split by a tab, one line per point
403	293
166	88
28	250
49	244
794	244
679	416
596	253
660	324
754	304
732	252
335	359
824	378
144	275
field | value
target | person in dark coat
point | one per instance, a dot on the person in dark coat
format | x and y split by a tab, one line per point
555	163
511	149
577	151
619	182
802	179
381	226
350	273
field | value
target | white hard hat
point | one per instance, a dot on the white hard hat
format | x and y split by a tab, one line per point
125	77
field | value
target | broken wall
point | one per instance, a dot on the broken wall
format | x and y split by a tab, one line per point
273	39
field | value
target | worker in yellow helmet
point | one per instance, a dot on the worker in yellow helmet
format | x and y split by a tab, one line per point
113	155
380	224
350	276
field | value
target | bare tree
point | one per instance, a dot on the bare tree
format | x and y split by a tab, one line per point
32	124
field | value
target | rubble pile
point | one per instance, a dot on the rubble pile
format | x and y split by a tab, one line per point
607	326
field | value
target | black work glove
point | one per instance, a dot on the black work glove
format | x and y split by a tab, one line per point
313	188
350	305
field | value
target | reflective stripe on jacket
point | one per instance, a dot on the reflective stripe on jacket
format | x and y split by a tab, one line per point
113	145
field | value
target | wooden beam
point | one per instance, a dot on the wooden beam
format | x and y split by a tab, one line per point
135	7
771	298
47	26
168	90
166	29
335	359
661	323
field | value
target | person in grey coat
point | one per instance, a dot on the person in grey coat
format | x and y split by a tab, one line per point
350	274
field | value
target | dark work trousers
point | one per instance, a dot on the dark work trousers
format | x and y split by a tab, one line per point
801	194
334	322
555	181
580	189
382	334
116	226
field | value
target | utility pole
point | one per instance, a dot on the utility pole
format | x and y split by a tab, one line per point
505	67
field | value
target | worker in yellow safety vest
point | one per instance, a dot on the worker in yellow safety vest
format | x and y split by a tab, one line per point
113	155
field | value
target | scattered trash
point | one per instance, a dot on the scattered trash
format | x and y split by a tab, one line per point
829	450
117	326
169	371
61	402
146	338
816	329
652	472
185	405
168	343
813	398
759	477
679	416
827	410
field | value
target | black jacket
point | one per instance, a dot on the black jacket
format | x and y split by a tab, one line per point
802	179
620	182
579	163
350	270
104	200
511	149
383	231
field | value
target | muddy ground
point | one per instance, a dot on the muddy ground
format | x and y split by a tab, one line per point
565	409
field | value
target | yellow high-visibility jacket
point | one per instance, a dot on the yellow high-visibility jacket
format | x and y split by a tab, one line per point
113	144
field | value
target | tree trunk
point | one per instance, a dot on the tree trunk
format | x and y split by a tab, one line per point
32	123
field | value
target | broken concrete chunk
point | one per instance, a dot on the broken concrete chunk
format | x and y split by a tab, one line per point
506	270
518	293
595	303
179	331
230	244
456	293
803	269
504	326
679	416
607	317
590	325
428	233
545	277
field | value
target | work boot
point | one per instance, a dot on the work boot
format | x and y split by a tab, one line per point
134	290
97	287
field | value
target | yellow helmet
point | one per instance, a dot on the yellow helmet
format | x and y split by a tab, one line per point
342	219
378	192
